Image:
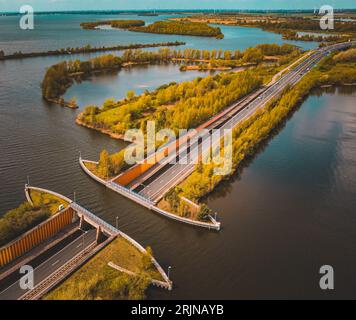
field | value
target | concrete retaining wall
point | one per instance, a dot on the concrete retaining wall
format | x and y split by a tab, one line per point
36	236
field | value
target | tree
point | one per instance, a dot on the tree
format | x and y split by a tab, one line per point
253	55
73	102
109	104
147	259
104	164
130	94
117	162
227	55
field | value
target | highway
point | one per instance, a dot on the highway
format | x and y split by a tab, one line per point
52	264
169	175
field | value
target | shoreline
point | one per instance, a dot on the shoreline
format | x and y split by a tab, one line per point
104	131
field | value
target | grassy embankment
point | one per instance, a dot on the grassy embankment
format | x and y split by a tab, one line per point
186	28
337	70
22	219
95	280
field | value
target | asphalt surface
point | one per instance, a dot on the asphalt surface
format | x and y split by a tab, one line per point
170	175
52	264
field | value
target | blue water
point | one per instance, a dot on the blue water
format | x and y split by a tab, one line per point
98	88
62	31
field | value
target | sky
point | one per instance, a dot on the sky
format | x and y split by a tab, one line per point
62	5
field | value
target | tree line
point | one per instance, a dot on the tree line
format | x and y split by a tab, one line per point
253	54
85	49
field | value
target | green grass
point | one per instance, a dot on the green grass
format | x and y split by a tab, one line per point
45	199
97	281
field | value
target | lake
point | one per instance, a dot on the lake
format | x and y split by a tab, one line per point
62	31
291	210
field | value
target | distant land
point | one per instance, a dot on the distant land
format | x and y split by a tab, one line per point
173	11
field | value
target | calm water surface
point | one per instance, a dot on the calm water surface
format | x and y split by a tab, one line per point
62	31
291	210
138	78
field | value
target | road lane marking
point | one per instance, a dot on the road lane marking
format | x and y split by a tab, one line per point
53	264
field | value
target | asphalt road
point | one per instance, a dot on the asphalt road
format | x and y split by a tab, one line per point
52	264
170	175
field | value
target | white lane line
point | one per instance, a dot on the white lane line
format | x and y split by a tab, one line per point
53	264
169	181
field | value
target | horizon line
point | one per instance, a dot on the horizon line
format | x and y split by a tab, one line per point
175	10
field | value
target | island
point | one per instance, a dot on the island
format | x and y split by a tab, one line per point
185	28
119	24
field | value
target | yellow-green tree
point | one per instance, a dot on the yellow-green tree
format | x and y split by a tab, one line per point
104	164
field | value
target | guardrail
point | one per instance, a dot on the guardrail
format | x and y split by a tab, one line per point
93	219
157	283
131	194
